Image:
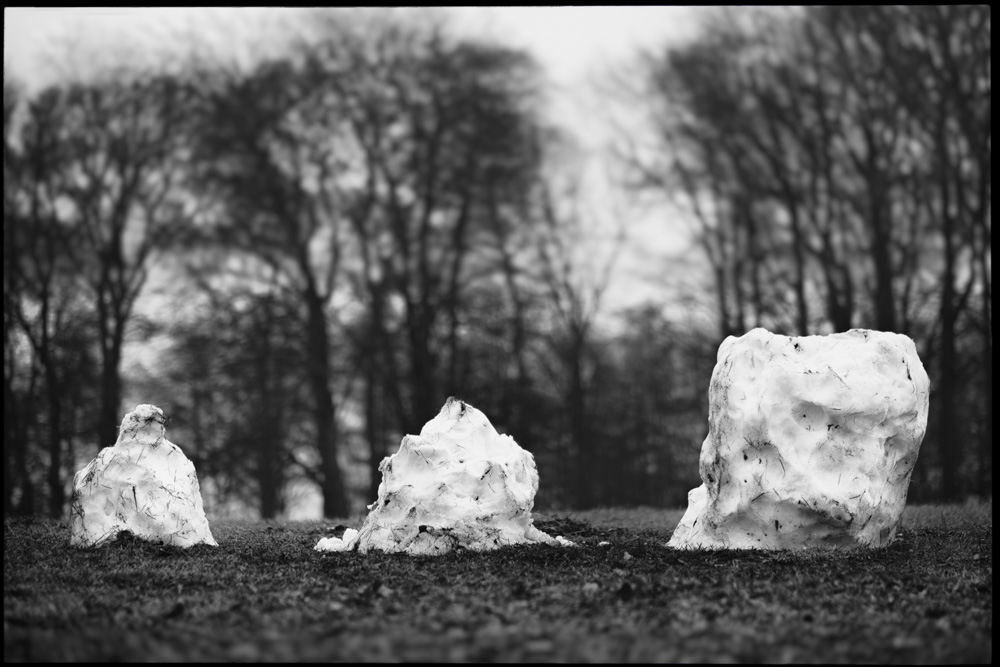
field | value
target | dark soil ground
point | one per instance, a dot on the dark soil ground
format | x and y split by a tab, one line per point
265	594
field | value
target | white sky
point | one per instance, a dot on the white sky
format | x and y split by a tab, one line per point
573	44
567	40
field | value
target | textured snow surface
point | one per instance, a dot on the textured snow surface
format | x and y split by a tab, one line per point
342	543
811	442
143	484
457	484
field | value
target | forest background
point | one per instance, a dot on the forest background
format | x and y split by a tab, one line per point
299	250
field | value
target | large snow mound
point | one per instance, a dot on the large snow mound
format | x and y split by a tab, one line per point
811	442
143	484
458	484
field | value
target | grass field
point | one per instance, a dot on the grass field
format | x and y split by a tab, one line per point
265	594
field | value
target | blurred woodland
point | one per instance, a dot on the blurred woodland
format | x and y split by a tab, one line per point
381	216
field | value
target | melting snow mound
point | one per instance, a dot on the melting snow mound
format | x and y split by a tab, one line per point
811	442
458	484
143	484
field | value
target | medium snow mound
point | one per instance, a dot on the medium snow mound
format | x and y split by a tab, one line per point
459	484
143	484
812	441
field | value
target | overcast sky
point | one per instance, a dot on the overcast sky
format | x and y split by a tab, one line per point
567	40
573	44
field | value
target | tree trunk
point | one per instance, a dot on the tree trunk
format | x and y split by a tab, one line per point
579	426
270	421
755	258
725	326
269	467
110	404
57	493
112	335
423	385
14	445
318	360
801	310
885	312
949	443
880	222
986	441
8	460
373	426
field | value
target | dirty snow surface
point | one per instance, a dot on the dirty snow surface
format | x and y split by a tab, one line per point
811	441
459	484
144	484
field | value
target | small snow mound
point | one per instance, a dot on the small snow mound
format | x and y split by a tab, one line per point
144	485
344	543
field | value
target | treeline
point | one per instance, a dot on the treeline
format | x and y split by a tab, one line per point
379	217
837	162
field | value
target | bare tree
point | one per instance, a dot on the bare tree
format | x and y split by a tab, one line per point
575	288
851	148
43	294
442	127
238	396
939	62
114	187
265	157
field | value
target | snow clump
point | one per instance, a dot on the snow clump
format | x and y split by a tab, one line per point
144	485
811	442
459	484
